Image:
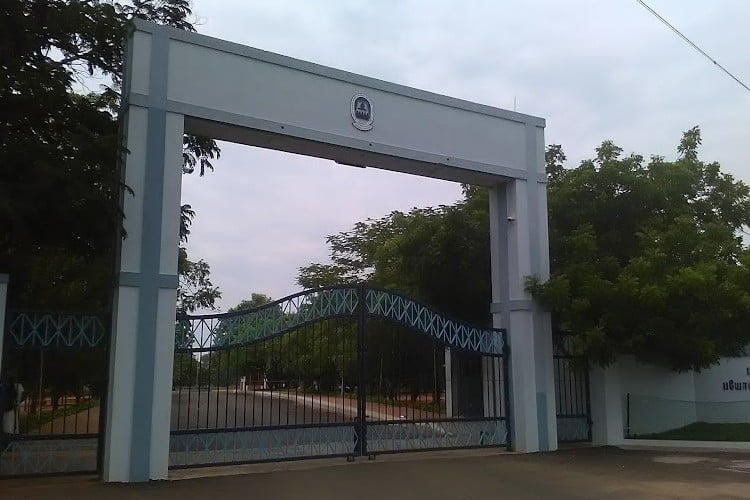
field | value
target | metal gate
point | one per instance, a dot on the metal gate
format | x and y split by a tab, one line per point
339	371
572	398
54	368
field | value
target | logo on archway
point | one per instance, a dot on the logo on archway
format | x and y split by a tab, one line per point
362	114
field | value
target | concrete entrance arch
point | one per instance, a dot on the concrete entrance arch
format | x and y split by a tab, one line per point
249	96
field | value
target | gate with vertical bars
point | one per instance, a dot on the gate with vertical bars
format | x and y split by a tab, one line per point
339	371
55	365
572	396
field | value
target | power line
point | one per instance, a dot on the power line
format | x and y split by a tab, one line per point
691	43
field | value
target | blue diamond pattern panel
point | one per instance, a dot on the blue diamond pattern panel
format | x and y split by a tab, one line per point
47	456
384	437
246	446
55	330
276	318
422	318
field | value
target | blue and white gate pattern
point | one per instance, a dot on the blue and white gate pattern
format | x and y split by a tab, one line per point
385	434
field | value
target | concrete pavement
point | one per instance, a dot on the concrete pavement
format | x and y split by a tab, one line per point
590	473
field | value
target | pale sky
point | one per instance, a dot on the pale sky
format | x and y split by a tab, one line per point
593	69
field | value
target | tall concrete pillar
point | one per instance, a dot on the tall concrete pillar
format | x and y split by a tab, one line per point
136	444
606	406
520	248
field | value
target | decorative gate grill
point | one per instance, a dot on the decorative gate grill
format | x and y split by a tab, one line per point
572	397
339	371
57	365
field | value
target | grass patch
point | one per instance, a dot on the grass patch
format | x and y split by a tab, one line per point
702	431
36	420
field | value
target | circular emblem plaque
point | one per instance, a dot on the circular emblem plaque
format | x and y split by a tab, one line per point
362	114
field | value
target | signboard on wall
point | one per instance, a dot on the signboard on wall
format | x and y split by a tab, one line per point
737	385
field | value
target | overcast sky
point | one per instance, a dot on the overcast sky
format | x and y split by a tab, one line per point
593	69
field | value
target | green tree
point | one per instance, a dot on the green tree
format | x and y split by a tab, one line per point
439	255
60	184
320	354
59	179
195	291
185	369
226	365
647	257
256	300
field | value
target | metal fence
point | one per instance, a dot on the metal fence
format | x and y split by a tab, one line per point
340	371
573	404
54	366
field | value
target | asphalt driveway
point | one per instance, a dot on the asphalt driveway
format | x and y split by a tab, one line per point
592	473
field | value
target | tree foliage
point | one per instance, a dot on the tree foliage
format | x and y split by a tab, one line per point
256	300
195	291
647	257
59	179
439	255
60	185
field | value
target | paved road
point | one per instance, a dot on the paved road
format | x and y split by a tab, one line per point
219	408
571	474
